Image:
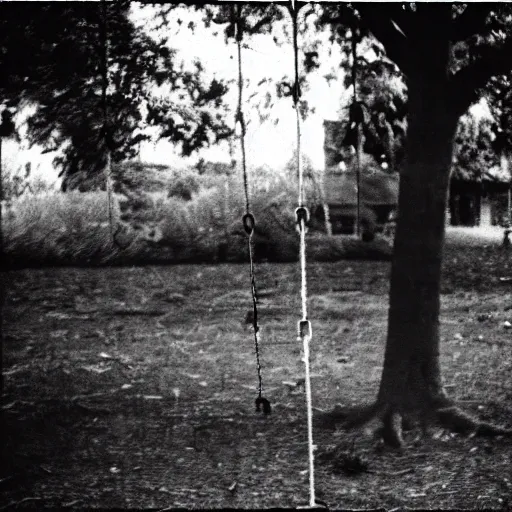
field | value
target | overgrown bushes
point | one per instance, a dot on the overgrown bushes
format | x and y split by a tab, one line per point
152	225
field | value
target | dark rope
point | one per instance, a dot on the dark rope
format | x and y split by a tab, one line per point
356	108
248	218
239	113
106	127
296	99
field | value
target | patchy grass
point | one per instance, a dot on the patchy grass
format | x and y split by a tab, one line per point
135	387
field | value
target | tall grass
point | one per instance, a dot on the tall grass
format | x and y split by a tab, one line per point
57	228
150	227
73	228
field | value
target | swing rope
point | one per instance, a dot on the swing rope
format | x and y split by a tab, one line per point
106	132
106	129
302	218
248	219
356	116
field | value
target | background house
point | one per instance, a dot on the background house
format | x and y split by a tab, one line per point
475	198
378	187
481	199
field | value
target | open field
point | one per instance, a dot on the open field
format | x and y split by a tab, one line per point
134	387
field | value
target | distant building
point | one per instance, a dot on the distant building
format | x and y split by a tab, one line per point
482	201
471	202
378	188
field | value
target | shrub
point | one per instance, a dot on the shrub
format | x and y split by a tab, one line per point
57	228
184	187
73	228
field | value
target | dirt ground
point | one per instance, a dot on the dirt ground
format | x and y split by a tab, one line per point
135	387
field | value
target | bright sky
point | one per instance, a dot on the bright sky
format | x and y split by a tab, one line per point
266	143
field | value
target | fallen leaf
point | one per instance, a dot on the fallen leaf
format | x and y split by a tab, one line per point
58	315
192	375
95	368
71	503
59	334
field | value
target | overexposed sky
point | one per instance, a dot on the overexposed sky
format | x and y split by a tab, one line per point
266	143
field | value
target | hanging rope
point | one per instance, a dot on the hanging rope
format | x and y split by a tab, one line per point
106	132
356	116
106	128
302	218
248	219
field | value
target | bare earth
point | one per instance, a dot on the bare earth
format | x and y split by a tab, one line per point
135	387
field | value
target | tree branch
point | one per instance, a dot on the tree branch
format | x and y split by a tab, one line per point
464	84
471	21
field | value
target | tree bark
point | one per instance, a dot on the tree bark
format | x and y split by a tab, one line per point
411	377
411	380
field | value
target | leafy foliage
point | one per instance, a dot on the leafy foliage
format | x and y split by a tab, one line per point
184	187
474	155
90	73
381	93
384	94
312	179
19	182
498	93
248	19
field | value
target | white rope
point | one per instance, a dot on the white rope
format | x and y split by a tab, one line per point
106	124
306	339
300	171
110	205
304	324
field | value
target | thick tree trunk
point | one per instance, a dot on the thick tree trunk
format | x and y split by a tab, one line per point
411	382
411	376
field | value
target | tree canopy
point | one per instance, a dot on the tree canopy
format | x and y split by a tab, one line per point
77	61
474	158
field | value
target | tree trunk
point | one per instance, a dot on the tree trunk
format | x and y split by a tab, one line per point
411	378
411	383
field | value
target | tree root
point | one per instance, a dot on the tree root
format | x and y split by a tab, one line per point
393	422
457	420
349	416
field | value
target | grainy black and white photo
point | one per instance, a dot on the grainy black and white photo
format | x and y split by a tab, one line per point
256	255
